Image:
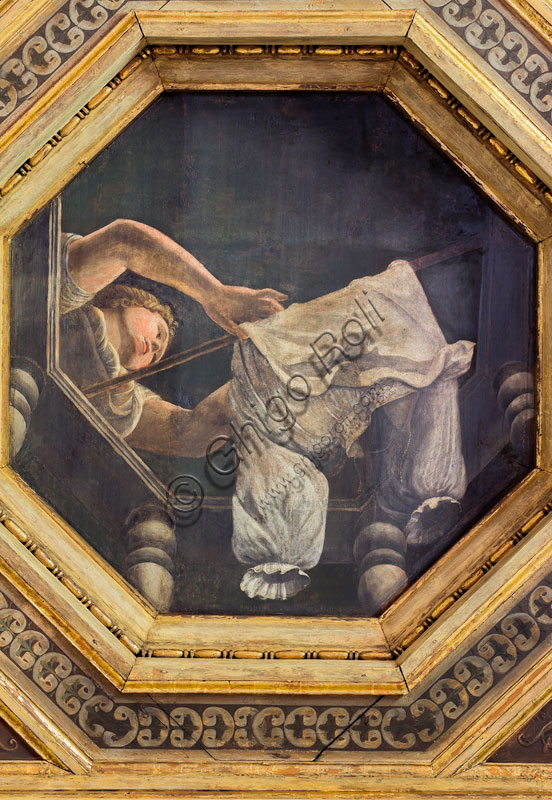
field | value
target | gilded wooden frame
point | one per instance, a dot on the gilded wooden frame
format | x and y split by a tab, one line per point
405	53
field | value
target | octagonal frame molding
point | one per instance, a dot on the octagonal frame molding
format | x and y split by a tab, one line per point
133	648
519	532
75	727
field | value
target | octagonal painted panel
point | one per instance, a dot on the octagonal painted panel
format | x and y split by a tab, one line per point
275	293
390	404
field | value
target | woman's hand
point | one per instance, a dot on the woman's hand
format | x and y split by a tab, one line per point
229	306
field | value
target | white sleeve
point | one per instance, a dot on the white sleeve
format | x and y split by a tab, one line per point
71	295
122	406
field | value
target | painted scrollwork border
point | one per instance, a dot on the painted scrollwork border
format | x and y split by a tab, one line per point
48	48
532	744
12	746
488	29
498	149
523	173
72	124
386	725
491	33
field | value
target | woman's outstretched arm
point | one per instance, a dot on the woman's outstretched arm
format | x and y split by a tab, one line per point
97	259
175	431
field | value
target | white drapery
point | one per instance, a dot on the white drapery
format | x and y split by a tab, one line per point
374	343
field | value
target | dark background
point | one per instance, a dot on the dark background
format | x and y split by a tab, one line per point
303	193
300	191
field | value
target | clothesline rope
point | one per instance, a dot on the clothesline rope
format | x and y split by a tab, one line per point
172	361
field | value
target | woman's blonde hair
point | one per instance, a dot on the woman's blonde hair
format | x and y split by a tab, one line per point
117	295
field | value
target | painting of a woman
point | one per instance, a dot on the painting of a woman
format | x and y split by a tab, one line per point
277	301
373	343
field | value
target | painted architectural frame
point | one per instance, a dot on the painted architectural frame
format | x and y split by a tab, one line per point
420	696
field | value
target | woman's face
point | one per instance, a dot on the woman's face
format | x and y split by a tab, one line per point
143	337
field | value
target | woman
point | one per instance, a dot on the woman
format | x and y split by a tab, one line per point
108	329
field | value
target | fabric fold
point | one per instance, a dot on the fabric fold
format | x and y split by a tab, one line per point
388	314
274	581
279	520
289	443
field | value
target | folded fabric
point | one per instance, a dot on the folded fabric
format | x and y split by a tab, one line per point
421	475
374	343
279	516
402	338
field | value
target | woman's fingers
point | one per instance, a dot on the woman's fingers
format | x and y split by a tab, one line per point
227	324
273	294
241	334
266	310
272	306
231	327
